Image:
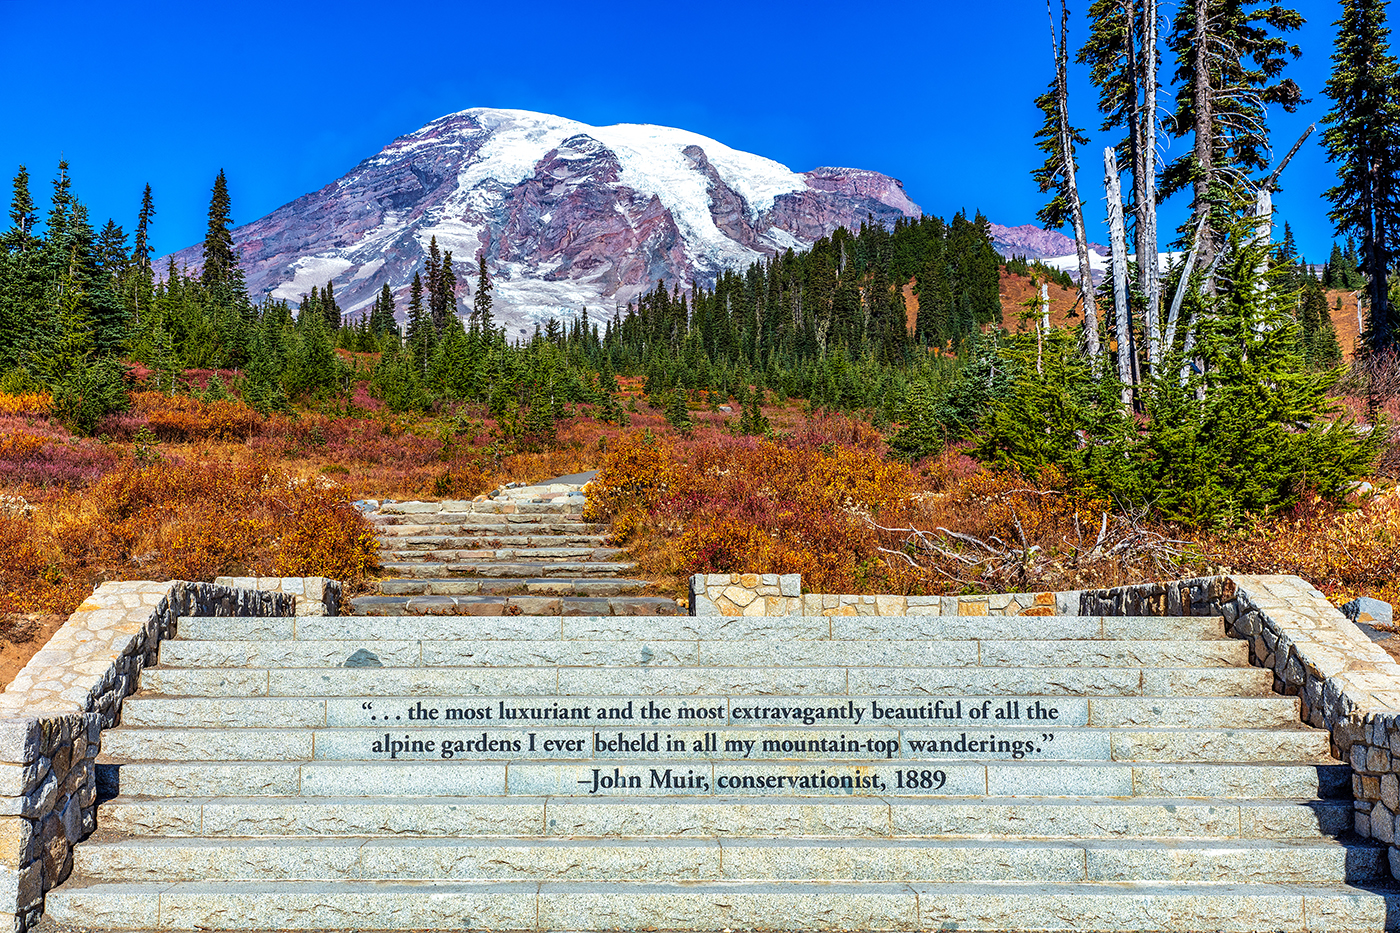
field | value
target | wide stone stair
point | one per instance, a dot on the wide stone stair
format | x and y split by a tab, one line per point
524	550
715	773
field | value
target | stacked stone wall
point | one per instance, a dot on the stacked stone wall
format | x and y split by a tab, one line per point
315	596
1346	684
735	594
53	713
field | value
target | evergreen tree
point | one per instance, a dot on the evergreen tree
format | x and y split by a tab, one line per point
219	257
432	280
481	303
447	284
1363	138
330	309
262	387
381	319
22	213
678	412
751	418
141	249
1225	89
421	335
1318	334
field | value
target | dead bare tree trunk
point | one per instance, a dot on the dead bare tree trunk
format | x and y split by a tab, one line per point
1205	136
1169	337
1127	369
1136	149
1150	273
1081	235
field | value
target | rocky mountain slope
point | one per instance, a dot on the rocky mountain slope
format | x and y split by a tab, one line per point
566	214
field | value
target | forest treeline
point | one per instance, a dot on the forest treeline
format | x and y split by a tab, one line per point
829	324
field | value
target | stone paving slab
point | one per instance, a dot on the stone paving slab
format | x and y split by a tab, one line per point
887	712
690	778
704	653
591	906
603	627
941	860
1000	743
1082	818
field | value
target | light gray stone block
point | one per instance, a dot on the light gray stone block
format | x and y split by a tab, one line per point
792	681
1370	611
207	779
208	744
901	860
358	817
241	654
826	907
268	629
402	778
727	628
248	712
371	682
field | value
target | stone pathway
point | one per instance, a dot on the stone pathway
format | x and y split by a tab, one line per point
522	549
719	773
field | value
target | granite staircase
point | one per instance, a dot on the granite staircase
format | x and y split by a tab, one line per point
524	550
713	773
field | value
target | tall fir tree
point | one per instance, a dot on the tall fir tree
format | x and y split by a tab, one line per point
481	302
141	248
421	333
381	319
1363	139
330	308
1231	55
219	257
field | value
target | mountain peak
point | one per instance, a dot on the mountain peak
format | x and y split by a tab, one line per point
565	213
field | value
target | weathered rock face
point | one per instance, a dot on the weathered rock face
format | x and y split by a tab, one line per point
1035	242
566	214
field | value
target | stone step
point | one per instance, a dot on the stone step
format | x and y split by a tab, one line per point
721	905
428	511
454	712
547	606
834	818
729	628
470	534
701	780
165	859
706	653
392	554
488	539
540	586
692	681
509	568
472	522
601	745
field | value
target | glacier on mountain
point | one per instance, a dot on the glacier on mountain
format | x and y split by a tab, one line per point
566	214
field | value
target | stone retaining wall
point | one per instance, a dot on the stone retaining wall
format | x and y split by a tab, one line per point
734	594
53	713
315	596
1345	682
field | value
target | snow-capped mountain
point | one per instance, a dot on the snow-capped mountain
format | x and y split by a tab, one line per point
567	215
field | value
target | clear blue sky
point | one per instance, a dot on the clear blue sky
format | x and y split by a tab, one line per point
288	96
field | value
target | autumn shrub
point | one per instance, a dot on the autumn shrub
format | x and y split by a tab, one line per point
28	403
1345	552
189	418
737	504
31	458
166	519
